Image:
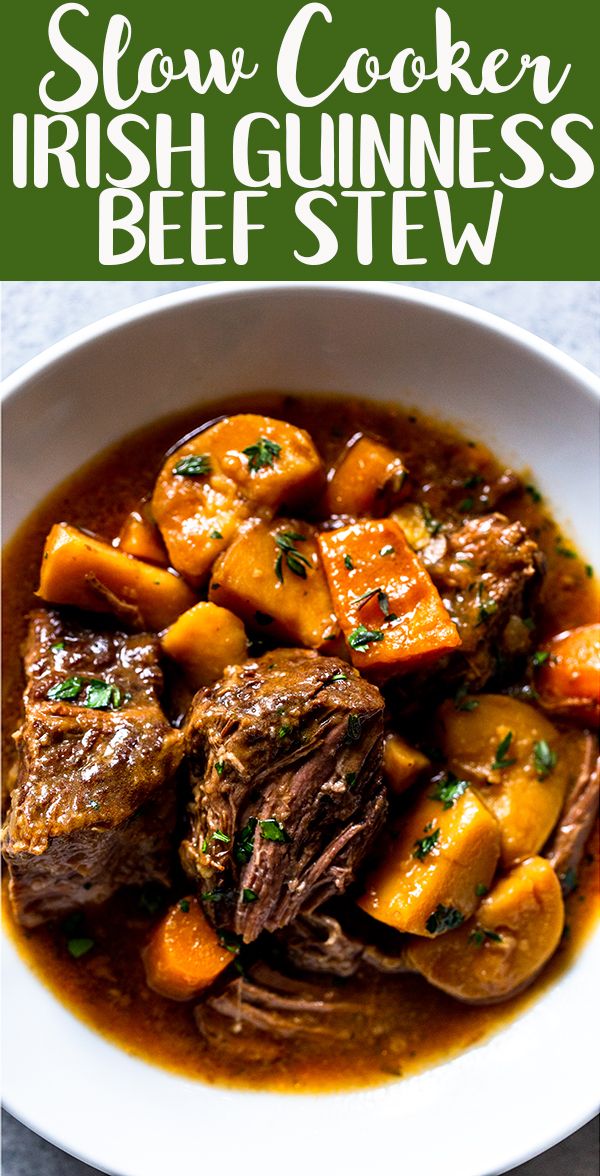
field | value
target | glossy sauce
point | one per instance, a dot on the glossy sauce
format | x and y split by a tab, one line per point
395	1025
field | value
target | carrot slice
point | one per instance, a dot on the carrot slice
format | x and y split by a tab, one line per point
390	612
568	682
83	571
184	954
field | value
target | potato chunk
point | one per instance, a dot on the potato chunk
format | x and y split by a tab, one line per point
240	466
272	577
198	513
445	850
390	611
512	755
83	571
204	640
402	764
367	481
140	536
270	461
505	945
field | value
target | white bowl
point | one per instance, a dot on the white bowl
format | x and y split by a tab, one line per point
535	1081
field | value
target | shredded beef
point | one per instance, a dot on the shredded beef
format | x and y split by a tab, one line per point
287	793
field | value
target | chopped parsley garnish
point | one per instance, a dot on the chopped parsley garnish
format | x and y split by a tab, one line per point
388	550
487	610
57	647
262	455
230	941
443	918
348	563
219	767
480	934
466	504
195	465
218	835
544	758
448	790
339	677
99	695
565	552
462	702
79	947
67	690
481	890
361	637
471	482
351	778
432	525
184	905
245	843
102	696
214	895
152	898
284	731
296	562
262	618
353	729
383	601
500	759
216	535
424	845
533	493
539	657
249	895
271	830
568	881
359	601
589	571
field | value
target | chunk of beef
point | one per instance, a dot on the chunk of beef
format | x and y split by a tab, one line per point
567	844
485	570
285	757
93	804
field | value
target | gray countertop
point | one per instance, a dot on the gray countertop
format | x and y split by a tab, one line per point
36	314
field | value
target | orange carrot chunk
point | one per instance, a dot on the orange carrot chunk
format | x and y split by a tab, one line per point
87	573
139	536
568	681
389	610
368	479
184	954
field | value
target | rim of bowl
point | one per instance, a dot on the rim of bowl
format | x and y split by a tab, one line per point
442	303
